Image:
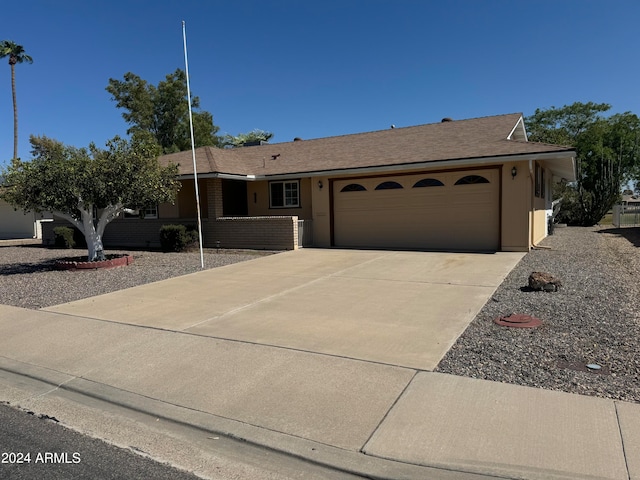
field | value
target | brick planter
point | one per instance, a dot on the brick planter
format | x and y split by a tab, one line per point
116	261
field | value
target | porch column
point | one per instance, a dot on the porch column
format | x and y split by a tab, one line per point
214	197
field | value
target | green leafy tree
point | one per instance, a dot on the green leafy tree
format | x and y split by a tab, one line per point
162	110
16	55
90	187
607	155
253	137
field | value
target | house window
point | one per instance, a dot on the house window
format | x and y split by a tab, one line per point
388	186
353	187
284	194
539	181
428	182
471	180
148	212
151	212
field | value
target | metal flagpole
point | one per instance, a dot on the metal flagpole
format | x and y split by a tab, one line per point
193	145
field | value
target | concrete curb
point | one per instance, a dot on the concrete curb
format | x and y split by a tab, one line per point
340	460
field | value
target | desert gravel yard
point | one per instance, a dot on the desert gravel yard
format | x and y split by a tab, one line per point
593	318
28	278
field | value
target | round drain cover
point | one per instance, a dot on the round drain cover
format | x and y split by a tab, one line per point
518	320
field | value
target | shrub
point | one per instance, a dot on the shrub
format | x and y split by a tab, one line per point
64	237
176	238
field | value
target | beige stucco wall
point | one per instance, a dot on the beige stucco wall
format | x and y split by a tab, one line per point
258	201
515	202
539	224
320	198
184	205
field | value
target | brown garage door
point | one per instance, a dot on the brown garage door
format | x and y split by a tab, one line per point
441	211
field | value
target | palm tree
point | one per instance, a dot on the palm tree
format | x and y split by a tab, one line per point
16	54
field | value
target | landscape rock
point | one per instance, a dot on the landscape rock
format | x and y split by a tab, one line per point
544	281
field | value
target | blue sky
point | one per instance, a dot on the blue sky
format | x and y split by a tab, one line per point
316	68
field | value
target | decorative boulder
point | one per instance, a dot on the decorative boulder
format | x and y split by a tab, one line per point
544	281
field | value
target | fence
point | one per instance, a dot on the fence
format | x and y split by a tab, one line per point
305	233
626	216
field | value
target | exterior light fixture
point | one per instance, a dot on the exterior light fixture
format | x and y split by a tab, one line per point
514	172
320	184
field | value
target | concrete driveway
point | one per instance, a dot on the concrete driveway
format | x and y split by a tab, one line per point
397	308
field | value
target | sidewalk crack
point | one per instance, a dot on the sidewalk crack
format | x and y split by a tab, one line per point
384	417
624	450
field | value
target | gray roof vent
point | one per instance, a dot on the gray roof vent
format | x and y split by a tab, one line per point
447	119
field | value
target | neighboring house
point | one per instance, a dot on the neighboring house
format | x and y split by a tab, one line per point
627	212
470	185
630	200
16	224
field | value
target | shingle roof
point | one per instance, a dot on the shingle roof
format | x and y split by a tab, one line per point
455	140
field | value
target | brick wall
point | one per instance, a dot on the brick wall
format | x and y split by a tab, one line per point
264	233
260	233
214	197
130	232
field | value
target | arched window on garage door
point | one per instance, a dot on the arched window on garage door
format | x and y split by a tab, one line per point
353	187
428	182
389	186
471	180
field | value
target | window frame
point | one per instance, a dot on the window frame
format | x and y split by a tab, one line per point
150	213
353	187
389	185
428	182
540	180
477	180
284	183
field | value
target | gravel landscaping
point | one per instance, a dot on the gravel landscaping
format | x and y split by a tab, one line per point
28	278
592	319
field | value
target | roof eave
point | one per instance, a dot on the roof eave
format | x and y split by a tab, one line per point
427	165
563	171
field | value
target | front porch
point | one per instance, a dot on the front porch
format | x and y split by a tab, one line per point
235	230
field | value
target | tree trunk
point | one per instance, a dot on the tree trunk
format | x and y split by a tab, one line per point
15	111
92	230
86	226
93	238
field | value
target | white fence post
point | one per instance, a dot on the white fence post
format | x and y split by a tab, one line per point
616	215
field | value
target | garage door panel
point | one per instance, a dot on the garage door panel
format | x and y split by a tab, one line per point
460	217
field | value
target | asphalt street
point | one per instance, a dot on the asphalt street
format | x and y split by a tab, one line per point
36	447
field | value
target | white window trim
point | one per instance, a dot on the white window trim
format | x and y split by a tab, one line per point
284	183
149	213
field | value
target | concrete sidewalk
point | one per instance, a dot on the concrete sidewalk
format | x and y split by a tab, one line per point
324	355
376	420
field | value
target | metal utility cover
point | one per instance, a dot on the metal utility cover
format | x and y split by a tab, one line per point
518	320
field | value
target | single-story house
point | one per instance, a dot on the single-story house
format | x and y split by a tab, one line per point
468	185
630	200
